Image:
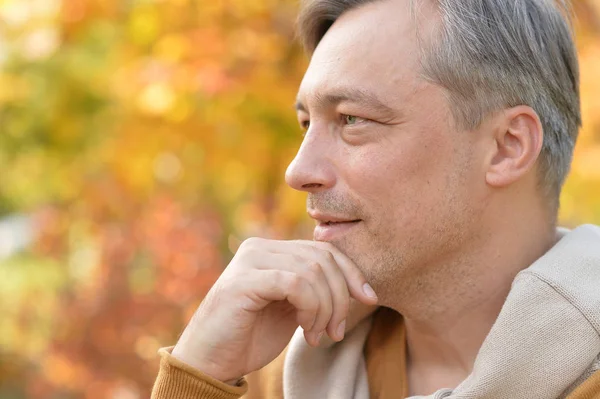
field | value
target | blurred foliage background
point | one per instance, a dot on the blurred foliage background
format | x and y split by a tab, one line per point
140	142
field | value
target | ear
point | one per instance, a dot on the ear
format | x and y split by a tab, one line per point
518	140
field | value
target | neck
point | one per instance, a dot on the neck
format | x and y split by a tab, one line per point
454	303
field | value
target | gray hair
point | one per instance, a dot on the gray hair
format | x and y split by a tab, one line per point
491	55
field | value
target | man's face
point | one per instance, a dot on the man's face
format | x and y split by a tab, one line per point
381	150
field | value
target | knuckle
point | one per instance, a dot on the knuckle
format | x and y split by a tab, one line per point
315	267
279	278
328	256
250	243
294	283
299	260
313	272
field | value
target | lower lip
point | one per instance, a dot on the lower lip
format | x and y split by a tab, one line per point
328	232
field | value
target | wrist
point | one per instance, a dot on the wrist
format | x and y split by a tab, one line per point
214	370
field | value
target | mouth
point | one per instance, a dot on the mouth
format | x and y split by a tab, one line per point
331	223
330	230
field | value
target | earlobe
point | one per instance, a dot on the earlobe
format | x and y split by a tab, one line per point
518	142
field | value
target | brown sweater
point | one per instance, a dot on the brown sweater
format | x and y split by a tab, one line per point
385	355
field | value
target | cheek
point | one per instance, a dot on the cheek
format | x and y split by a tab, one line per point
399	177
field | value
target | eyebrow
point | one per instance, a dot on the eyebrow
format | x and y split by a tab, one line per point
360	97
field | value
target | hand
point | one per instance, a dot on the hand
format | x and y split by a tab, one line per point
267	291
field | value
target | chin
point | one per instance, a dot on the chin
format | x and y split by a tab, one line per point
363	256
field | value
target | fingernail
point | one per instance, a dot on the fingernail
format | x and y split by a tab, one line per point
368	290
341	329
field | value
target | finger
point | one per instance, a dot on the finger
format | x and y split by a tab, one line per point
316	277
353	277
339	291
279	285
314	273
357	284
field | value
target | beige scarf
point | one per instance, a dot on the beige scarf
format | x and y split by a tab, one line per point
545	341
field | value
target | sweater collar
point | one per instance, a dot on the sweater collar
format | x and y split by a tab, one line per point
546	336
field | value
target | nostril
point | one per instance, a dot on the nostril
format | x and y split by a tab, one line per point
311	185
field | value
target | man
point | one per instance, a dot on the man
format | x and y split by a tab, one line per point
438	136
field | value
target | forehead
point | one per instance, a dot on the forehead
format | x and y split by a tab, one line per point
373	48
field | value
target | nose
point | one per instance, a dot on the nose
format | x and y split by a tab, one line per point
312	169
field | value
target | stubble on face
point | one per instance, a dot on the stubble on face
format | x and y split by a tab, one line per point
401	249
411	182
369	243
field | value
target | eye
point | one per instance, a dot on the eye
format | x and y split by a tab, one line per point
304	125
351	119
